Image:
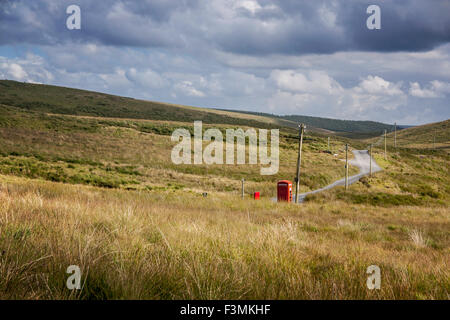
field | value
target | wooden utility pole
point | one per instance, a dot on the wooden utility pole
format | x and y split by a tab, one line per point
370	155
328	143
346	166
395	135
299	160
243	180
385	143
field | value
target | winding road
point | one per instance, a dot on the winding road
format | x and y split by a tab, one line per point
361	160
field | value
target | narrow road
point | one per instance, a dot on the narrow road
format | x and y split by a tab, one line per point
361	160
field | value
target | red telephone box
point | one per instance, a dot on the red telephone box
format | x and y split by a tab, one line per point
256	195
284	190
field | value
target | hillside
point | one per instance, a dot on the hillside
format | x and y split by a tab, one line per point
61	100
135	154
430	136
339	126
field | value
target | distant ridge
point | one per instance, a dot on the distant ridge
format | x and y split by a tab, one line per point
337	125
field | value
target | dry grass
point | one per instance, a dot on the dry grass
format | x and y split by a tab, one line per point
430	136
417	238
55	141
174	245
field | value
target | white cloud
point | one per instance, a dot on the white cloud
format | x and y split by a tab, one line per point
15	71
440	86
314	81
115	80
416	91
378	86
249	5
187	88
31	69
146	78
435	89
317	93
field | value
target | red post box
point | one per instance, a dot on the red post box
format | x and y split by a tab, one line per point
284	190
256	195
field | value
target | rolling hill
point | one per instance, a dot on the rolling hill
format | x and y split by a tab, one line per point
61	100
135	154
431	136
334	125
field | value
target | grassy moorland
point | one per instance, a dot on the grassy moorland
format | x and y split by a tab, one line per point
136	154
430	136
102	193
176	245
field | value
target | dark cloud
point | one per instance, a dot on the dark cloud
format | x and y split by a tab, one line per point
111	22
306	27
250	27
406	25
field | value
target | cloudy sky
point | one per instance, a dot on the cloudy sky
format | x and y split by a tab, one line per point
313	58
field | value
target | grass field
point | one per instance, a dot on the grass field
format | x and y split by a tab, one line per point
101	192
130	153
172	245
430	136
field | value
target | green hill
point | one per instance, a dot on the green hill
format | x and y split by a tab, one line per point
339	126
432	135
429	136
342	125
61	100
